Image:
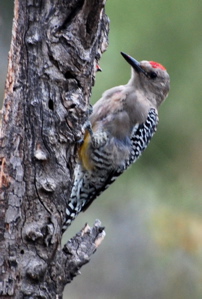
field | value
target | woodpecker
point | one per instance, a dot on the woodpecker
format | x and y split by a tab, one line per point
120	128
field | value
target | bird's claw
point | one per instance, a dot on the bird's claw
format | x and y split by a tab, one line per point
87	126
99	139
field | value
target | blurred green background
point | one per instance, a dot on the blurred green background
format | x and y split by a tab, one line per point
153	212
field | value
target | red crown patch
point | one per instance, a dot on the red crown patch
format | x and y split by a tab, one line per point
157	65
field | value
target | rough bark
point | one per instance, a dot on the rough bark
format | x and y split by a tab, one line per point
54	49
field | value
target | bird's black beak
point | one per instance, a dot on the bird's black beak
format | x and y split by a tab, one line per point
133	62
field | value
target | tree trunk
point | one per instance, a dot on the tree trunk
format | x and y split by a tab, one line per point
52	63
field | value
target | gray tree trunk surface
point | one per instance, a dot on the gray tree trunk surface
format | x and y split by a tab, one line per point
52	62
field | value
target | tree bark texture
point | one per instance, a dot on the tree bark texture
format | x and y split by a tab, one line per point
52	62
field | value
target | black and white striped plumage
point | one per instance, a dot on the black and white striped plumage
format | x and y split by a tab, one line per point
123	122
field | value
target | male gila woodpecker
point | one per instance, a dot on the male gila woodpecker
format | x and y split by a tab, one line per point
122	124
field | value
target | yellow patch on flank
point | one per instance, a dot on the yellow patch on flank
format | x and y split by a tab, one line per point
84	153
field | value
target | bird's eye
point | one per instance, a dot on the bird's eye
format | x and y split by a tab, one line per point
152	75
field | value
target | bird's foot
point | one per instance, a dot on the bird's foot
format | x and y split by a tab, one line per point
99	139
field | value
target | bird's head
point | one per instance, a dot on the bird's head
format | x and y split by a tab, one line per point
150	77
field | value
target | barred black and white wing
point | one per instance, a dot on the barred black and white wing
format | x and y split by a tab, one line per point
141	136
